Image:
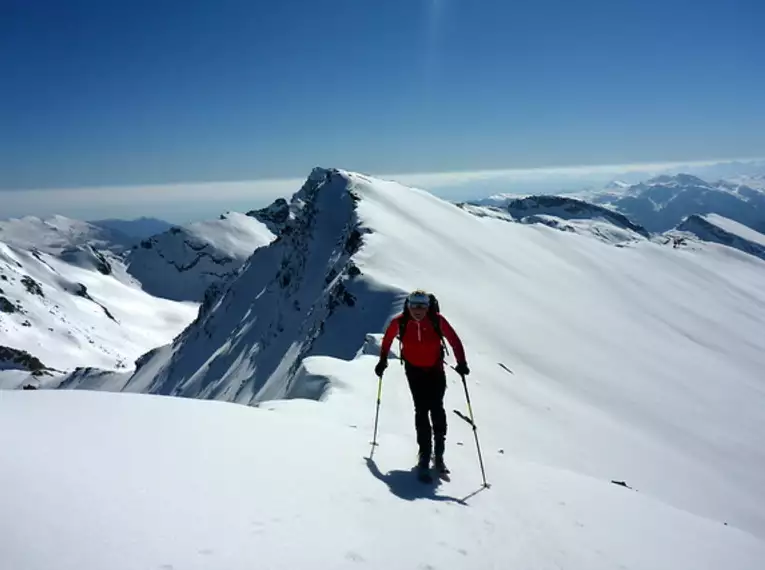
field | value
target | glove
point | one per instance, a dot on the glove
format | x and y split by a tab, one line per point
382	364
462	369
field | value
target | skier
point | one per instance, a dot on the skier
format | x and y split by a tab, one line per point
422	353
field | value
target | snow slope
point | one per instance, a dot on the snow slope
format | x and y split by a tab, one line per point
566	214
717	229
168	483
664	202
181	263
82	313
736	228
640	363
58	233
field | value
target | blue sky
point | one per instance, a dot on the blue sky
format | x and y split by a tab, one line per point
136	92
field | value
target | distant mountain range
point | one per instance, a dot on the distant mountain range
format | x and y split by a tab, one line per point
139	228
663	202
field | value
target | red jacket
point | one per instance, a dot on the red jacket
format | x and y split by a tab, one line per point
421	343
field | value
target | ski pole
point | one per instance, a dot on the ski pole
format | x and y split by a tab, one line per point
377	414
475	430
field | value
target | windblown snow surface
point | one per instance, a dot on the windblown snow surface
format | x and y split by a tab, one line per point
590	364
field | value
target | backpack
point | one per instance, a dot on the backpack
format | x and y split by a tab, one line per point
434	311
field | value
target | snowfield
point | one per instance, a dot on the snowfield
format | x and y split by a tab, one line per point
593	361
171	483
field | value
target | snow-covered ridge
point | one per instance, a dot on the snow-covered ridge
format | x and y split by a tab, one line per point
566	214
181	263
717	229
591	364
529	209
640	364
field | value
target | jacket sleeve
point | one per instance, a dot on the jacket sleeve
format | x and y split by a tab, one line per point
454	340
390	334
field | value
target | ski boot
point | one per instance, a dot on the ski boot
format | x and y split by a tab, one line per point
423	467
440	467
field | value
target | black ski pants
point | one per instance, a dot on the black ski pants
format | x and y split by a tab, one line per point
428	386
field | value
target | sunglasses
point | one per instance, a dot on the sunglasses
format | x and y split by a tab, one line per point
418	305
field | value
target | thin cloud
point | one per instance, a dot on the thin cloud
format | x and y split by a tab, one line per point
173	202
184	202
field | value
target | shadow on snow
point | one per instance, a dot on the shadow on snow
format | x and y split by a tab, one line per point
404	484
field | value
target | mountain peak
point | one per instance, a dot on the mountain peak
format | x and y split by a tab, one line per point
278	304
617	185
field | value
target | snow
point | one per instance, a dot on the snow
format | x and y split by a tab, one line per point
57	233
662	203
715	229
170	483
735	228
639	362
181	263
13	379
753	181
569	214
235	233
65	329
590	364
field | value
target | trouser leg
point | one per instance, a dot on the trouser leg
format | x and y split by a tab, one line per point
437	385
418	385
428	386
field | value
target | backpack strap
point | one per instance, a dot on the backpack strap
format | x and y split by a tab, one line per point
403	320
436	322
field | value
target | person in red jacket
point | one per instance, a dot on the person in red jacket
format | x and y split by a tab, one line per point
422	352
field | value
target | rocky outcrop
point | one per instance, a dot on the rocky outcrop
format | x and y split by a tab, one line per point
14	359
274	216
6	306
